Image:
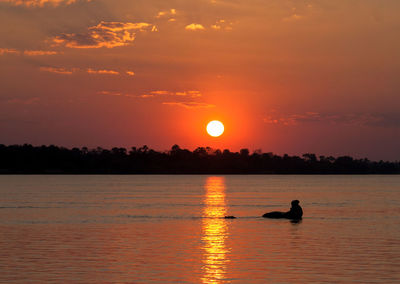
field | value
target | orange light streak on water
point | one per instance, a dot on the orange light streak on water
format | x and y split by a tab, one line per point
215	231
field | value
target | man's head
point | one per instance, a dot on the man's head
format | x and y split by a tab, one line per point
295	202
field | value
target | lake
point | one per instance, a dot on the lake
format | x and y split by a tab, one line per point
170	228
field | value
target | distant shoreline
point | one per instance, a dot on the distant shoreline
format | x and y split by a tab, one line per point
53	160
192	174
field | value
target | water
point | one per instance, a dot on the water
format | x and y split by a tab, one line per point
168	229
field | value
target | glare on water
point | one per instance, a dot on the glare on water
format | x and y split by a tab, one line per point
215	231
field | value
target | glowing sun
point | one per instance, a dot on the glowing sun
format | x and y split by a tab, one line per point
215	128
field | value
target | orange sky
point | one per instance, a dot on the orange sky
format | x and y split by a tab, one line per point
283	76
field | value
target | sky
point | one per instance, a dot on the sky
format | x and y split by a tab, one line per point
316	76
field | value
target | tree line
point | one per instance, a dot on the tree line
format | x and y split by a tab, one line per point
28	159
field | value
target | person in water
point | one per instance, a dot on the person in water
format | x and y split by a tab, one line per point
295	212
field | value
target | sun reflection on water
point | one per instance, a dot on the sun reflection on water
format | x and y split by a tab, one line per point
215	231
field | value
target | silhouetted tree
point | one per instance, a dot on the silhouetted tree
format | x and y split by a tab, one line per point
52	159
310	157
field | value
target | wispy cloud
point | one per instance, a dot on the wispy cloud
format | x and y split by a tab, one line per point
187	96
58	70
28	101
102	71
167	13
92	71
292	119
27	52
363	119
8	51
293	18
109	93
39	3
222	25
145	96
39	52
119	94
194	27
190	94
105	34
189	105
161	93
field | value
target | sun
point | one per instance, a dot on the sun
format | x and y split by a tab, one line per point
215	128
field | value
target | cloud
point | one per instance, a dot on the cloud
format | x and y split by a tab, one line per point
29	101
161	93
363	119
145	96
105	34
222	25
58	70
185	104
130	73
62	70
167	13
39	3
118	94
190	94
39	52
194	27
102	71
27	52
108	93
293	18
8	51
292	119
189	105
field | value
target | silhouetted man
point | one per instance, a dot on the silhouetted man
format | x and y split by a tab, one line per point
295	212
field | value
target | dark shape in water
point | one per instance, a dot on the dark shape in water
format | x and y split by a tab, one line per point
295	212
230	217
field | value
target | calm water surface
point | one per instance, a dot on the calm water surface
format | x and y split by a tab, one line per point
168	229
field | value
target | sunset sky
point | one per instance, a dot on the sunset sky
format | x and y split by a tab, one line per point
283	76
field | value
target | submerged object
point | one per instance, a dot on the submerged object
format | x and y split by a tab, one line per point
295	212
275	215
230	217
